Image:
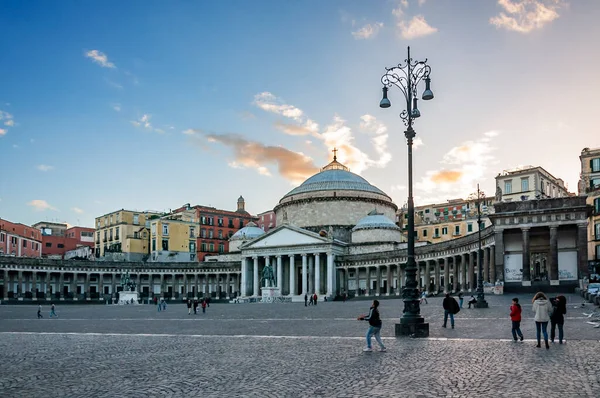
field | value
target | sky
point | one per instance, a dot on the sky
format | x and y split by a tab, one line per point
148	105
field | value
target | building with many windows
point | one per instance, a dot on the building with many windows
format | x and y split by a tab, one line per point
19	240
172	240
59	238
123	235
216	226
589	185
267	220
529	183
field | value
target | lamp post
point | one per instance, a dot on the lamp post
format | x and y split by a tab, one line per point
481	303
406	76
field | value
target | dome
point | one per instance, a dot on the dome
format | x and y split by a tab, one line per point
335	177
375	221
250	231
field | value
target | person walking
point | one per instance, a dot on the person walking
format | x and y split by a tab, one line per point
315	298
515	317
189	306
53	310
374	327
39	314
541	306
450	308
559	305
310	300
195	306
164	304
423	297
159	304
460	299
305	300
203	306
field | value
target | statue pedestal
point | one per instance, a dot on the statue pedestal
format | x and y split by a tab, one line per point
270	294
126	297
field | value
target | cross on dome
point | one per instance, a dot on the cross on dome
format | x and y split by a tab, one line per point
335	165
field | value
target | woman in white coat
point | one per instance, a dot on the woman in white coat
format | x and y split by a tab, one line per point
541	307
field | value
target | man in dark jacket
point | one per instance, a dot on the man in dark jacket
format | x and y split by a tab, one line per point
375	326
559	309
450	308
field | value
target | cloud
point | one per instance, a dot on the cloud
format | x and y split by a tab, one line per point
100	58
2	132
44	167
368	31
77	210
462	167
524	16
380	137
270	103
9	123
15	146
293	166
191	132
417	143
414	27
143	121
247	115
113	84
41	205
292	129
339	135
116	107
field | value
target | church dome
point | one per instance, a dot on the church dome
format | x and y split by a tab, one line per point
250	231
335	177
375	221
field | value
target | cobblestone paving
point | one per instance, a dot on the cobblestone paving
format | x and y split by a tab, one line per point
287	350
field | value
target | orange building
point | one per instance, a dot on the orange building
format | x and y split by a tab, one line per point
19	240
217	226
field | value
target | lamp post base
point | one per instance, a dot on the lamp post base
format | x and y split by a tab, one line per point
481	304
414	327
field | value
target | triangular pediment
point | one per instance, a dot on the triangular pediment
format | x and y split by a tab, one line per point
286	235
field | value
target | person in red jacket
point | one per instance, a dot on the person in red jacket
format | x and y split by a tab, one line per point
515	317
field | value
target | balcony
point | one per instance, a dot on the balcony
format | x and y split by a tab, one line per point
436	236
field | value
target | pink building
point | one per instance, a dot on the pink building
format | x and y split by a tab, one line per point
19	240
267	220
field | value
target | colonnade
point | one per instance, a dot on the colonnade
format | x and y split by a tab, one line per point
47	284
295	274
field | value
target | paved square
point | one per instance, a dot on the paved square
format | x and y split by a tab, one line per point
288	350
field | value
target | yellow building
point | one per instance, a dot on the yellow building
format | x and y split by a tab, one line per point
440	222
589	185
123	235
173	240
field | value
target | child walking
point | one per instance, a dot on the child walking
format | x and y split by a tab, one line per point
374	328
515	317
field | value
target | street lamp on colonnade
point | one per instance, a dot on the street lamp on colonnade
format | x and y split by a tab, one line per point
477	197
406	76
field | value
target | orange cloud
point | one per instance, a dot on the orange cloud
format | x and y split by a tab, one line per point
446	176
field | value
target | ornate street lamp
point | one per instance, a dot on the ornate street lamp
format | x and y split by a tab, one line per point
477	197
406	76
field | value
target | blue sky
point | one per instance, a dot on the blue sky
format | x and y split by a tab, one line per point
151	104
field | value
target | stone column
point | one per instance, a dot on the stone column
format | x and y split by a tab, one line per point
227	286
526	258
446	262
553	260
101	285
390	279
357	291
368	281
330	275
20	283
464	260
47	285
304	275
472	282
378	276
196	278
318	274
243	291
280	275
162	281
292	276
346	281
206	285
486	265
86	286
6	285
255	292
582	251
492	264
454	273
61	282
401	279
139	282
173	285
74	285
311	275
268	263
34	285
499	254
437	275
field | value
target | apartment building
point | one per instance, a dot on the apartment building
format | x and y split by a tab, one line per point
267	220
589	186
529	183
172	240
19	240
